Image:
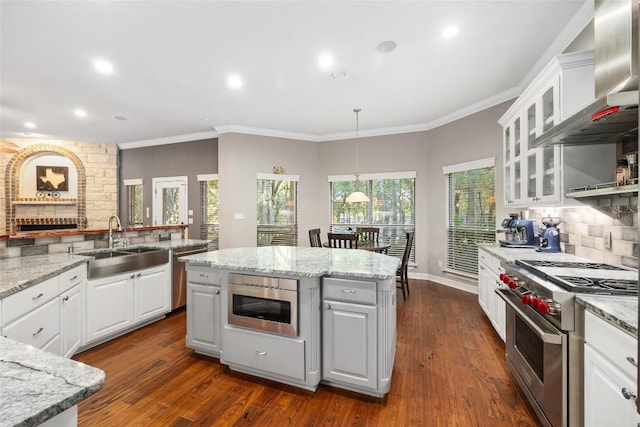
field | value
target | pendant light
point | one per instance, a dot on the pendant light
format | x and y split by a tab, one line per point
357	195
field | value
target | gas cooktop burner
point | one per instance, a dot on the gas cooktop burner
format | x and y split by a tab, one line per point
596	285
570	264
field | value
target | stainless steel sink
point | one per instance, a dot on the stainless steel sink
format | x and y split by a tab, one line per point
121	260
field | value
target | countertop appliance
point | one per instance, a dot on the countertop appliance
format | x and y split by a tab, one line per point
550	235
545	329
524	233
179	274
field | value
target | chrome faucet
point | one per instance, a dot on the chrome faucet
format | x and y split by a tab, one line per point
118	223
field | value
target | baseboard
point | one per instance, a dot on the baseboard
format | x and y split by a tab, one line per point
452	283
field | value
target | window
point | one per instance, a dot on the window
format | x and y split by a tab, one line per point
133	190
391	207
209	224
277	197
471	213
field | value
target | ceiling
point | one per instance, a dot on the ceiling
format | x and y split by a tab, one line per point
172	59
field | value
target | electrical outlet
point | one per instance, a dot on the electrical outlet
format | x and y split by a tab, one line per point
607	240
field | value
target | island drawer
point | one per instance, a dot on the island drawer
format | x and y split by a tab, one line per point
349	290
28	299
269	353
203	275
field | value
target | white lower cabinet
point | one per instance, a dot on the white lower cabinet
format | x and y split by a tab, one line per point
610	387
71	321
203	318
488	282
349	343
39	328
116	303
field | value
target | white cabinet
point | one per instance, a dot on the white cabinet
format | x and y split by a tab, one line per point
488	282
203	318
116	303
71	321
349	343
610	387
39	328
539	175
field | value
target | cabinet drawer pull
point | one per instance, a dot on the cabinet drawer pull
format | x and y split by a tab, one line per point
73	278
349	291
628	394
37	296
65	299
132	276
261	353
139	274
205	275
38	331
632	361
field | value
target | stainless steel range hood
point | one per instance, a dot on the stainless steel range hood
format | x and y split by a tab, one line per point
614	114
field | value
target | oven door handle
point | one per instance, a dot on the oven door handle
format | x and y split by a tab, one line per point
549	338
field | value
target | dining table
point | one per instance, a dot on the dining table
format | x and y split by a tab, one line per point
373	246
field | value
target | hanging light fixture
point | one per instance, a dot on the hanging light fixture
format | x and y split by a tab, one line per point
357	195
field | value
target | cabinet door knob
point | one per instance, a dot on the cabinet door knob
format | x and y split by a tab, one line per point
628	394
632	361
42	329
327	306
65	299
139	274
216	293
132	276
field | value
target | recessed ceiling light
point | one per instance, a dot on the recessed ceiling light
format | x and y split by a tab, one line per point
103	66
79	112
325	61
30	125
26	133
120	117
449	32
234	81
387	46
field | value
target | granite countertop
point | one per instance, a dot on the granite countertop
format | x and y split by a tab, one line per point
38	385
20	273
511	254
301	261
619	310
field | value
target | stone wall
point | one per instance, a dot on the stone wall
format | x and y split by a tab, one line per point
97	185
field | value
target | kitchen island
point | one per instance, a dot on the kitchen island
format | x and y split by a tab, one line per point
329	314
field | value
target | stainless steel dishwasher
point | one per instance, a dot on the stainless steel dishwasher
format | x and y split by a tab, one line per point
179	275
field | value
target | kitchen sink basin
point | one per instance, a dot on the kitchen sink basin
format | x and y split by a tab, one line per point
122	260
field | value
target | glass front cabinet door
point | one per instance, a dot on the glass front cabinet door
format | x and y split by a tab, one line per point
513	170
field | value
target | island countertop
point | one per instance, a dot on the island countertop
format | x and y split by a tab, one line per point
38	385
298	261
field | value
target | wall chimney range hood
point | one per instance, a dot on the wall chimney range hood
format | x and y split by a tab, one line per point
613	116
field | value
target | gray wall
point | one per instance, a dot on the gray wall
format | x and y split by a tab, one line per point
184	159
242	156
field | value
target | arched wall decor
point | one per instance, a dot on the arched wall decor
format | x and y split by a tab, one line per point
12	195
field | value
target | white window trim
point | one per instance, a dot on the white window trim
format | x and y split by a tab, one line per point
136	181
474	164
373	176
207	177
278	177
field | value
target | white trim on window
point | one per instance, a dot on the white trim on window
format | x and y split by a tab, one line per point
374	176
474	164
136	181
207	177
278	176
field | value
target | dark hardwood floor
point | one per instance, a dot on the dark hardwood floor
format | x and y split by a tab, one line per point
449	371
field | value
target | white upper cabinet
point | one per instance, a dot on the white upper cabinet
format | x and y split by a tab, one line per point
538	174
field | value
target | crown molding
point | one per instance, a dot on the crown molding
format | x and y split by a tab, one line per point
168	140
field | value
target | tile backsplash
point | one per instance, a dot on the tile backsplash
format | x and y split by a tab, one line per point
583	231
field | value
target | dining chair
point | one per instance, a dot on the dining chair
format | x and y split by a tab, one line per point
369	233
314	238
343	240
402	278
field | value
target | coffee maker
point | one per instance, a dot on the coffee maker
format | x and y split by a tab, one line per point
520	233
550	236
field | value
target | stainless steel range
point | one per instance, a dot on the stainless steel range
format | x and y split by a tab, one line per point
545	329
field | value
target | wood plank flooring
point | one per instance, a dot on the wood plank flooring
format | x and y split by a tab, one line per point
449	371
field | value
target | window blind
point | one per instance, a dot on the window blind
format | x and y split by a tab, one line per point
470	218
277	211
391	208
133	190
